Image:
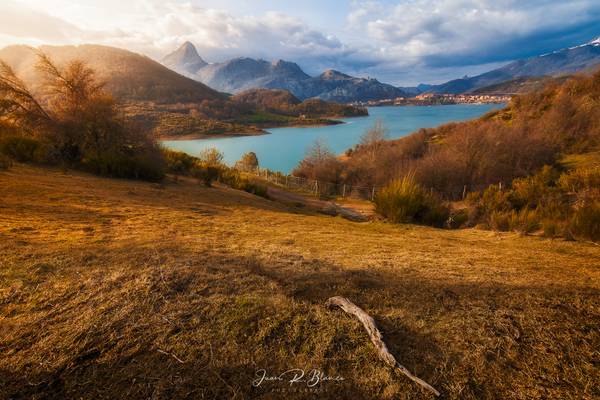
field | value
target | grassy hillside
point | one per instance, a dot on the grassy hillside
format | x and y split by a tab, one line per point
508	165
129	76
114	289
519	86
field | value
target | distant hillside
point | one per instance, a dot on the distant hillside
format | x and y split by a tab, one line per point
561	62
268	100
240	74
283	102
518	85
129	76
336	86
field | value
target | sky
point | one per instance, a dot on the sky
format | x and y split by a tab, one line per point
402	42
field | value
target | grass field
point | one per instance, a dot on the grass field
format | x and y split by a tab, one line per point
115	289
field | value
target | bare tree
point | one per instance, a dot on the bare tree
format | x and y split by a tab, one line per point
17	104
211	156
320	163
374	135
373	141
71	87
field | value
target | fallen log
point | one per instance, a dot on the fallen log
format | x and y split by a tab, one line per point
376	337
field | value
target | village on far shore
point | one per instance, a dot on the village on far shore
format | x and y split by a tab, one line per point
431	99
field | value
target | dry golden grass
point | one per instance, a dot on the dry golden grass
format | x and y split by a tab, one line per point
117	289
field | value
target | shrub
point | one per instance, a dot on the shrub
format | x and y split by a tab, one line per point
212	157
500	221
586	221
178	162
320	163
552	228
458	219
531	191
206	173
5	162
405	201
524	221
235	180
139	166
254	188
580	179
19	148
248	162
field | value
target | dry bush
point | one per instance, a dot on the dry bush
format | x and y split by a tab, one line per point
22	149
586	220
405	201
77	121
205	172
211	156
580	179
320	163
376	162
248	162
178	162
524	221
5	162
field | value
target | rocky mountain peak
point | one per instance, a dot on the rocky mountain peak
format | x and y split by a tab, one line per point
185	59
332	74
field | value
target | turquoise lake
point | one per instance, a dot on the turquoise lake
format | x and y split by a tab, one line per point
283	148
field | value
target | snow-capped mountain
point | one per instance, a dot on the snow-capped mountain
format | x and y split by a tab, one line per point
561	62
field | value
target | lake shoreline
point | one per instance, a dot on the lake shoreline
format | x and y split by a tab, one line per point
334	121
284	147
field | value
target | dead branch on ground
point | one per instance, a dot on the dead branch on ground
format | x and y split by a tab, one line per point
376	337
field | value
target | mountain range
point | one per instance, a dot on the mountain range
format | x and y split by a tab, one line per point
240	74
555	64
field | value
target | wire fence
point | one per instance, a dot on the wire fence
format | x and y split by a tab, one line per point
315	187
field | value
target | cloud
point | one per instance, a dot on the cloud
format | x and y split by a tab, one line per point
24	23
397	41
155	27
470	32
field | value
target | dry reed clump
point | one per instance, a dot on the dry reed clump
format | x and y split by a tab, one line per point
119	289
405	201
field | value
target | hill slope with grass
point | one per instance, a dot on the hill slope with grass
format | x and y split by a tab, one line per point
113	288
129	76
509	165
